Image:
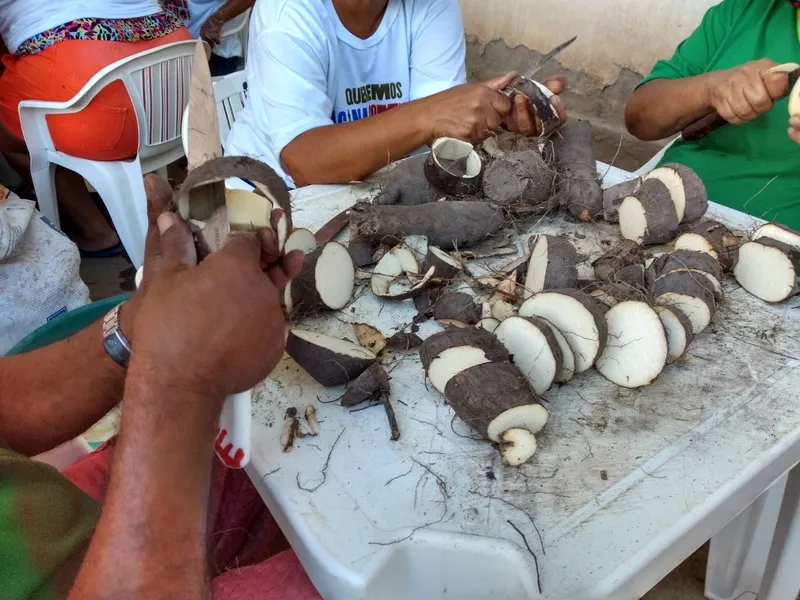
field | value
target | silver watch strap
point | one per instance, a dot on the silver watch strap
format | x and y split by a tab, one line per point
114	341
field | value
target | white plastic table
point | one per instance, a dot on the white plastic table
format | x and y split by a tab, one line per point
626	483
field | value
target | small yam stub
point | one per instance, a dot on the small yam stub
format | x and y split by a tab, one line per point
330	361
533	348
368	386
454	167
649	217
580	319
456	306
768	269
552	265
446	267
468	336
713	238
778	232
613	197
578	183
636	352
678	329
691	293
325	282
687	190
625	254
517	446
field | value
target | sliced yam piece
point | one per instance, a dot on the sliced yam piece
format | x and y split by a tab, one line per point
452	361
401	287
716	284
718	241
567	370
283	232
778	232
248	211
678	328
495	397
418	244
627	253
686	259
330	361
454	167
768	269
501	309
288	305
325	282
649	217
552	265
370	338
690	292
577	316
468	336
301	239
533	348
446	266
637	349
687	190
613	197
489	324
517	446
408	261
539	96
458	306
368	386
696	309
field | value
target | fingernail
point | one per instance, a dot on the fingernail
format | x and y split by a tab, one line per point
165	221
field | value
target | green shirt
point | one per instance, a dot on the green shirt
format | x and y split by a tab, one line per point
753	167
46	524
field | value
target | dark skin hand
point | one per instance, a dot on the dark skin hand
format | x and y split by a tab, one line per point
663	107
211	31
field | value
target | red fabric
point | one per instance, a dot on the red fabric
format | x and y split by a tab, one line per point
248	556
106	129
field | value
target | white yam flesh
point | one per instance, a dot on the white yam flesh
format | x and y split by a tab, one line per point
585	334
451	362
552	265
517	446
686	188
389	278
567	371
637	348
766	272
489	324
301	239
531	351
330	361
695	242
531	417
779	233
672	180
247	210
698	311
649	217
335	276
678	329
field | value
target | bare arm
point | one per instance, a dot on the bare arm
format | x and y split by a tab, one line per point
233	8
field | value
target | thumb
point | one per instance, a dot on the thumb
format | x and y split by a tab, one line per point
177	244
501	81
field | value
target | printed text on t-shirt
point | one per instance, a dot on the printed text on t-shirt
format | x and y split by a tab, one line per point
368	93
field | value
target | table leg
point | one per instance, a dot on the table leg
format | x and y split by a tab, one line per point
782	574
739	552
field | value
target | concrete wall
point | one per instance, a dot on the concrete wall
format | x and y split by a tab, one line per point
618	42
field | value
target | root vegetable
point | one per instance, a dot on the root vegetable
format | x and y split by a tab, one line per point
370	385
446	266
649	217
370	338
300	239
686	259
326	281
403	341
625	254
533	348
393	277
552	265
637	349
539	96
446	224
501	309
454	167
520	181
451	362
686	189
713	238
330	361
470	336
768	269
689	292
579	318
405	184
489	324
613	197
457	306
311	418
495	397
517	446
578	186
248	211
567	370
778	232
678	329
360	250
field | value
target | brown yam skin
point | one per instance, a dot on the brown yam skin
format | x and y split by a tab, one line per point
625	254
613	197
456	306
521	178
305	297
406	184
360	251
686	259
562	261
595	308
325	371
370	385
446	224
469	336
695	190
540	102
448	183
444	270
722	239
686	282
659	210
685	322
578	185
481	393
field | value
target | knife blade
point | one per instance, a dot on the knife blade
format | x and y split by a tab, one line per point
548	57
701	128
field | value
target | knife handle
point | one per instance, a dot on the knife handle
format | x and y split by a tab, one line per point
698	130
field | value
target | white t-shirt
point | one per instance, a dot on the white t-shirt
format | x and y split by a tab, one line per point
23	19
199	12
306	70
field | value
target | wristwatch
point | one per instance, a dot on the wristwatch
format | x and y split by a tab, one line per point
114	341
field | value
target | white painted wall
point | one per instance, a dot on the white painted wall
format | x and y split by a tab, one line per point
612	34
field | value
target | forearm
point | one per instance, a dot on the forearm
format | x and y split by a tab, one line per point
150	541
233	8
352	151
663	107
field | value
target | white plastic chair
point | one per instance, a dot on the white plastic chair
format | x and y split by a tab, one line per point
158	83
230	95
238	26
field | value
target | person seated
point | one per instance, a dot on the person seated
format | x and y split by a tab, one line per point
340	88
204	19
152	530
55	49
751	166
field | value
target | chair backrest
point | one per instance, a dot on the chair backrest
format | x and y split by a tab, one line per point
238	27
230	94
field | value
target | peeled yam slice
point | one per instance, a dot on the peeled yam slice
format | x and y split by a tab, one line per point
301	239
567	370
401	287
637	348
613	197
552	265
451	362
325	282
330	361
534	349
678	328
468	336
768	269
446	266
778	232
517	446
493	398
717	240
577	316
454	167
687	190
689	292
649	217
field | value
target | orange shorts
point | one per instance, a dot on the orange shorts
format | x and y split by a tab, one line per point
106	129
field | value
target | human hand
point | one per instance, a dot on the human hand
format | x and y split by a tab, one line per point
211	31
743	93
469	112
523	118
794	129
